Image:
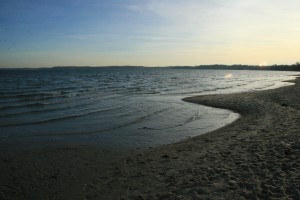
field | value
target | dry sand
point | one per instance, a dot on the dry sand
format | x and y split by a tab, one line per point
256	157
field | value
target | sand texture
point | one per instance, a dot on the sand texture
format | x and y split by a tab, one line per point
256	157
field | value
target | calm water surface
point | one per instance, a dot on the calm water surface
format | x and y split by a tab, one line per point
139	107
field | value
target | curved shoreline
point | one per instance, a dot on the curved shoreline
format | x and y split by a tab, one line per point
256	156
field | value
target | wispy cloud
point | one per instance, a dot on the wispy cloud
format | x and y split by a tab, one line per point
229	14
231	21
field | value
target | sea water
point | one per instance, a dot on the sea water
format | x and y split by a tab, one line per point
136	107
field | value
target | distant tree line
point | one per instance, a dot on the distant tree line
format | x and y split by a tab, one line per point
228	67
293	67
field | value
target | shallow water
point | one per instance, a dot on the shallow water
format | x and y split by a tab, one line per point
111	106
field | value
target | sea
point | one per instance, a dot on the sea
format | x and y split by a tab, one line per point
129	107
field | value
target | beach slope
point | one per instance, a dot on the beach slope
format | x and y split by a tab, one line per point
257	156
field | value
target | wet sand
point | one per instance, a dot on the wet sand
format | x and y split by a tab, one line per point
257	156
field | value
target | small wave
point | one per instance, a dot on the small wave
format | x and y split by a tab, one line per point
60	118
38	104
193	118
30	112
59	104
139	120
198	91
65	88
164	128
239	85
160	129
34	96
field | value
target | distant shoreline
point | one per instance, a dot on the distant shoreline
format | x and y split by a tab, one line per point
280	67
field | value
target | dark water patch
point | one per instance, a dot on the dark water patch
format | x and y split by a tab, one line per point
58	118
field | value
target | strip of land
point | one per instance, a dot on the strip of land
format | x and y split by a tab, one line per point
257	156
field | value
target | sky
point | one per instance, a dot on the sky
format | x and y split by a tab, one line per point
46	33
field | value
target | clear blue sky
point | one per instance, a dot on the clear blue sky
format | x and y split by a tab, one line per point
45	33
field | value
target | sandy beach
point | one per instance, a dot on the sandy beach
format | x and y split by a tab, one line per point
256	157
